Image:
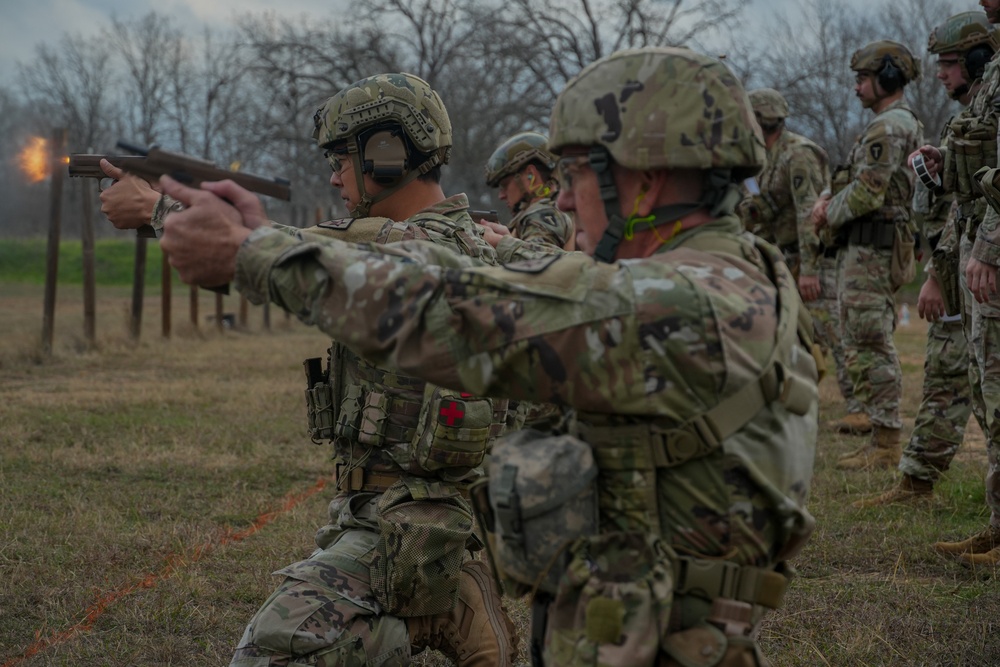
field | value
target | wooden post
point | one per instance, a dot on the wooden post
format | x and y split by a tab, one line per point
193	306
267	316
244	308
138	288
58	167
89	273
219	324
166	278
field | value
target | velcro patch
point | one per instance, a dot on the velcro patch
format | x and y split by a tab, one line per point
342	223
876	151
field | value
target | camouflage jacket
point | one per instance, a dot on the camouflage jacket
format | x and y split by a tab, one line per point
881	183
987	102
400	396
797	170
542	222
649	343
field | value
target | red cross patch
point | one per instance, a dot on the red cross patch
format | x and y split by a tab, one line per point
451	413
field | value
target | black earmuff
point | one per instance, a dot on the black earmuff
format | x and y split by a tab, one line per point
976	59
890	78
384	156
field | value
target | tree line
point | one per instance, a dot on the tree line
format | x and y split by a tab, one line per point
246	94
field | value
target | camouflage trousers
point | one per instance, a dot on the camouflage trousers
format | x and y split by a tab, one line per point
325	613
868	320
982	325
826	325
946	404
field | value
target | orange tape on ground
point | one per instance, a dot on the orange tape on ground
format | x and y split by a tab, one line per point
172	563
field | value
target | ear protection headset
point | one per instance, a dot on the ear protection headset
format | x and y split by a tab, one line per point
384	155
976	59
890	77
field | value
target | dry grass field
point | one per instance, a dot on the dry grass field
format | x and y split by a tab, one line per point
148	490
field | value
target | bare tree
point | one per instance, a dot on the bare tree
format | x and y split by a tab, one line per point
813	70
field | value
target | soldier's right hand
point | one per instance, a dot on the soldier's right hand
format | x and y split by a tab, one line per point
494	232
930	305
932	158
129	201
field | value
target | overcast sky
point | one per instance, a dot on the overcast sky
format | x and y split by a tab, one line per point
26	23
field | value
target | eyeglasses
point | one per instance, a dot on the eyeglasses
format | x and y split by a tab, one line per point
338	161
861	77
568	168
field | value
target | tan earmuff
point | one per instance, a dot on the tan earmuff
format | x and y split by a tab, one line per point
384	157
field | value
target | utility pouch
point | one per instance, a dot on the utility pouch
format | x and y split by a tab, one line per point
986	183
423	530
840	179
319	400
542	491
454	430
903	267
612	606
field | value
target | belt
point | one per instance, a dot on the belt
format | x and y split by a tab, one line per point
710	579
374	481
359	479
703	588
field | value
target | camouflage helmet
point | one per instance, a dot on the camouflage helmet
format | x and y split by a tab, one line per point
872	58
660	107
382	99
962	34
768	103
516	153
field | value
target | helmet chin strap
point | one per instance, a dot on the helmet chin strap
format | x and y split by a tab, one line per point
719	195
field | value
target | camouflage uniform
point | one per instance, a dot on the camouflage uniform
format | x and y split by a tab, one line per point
541	222
399	527
829	333
878	196
983	242
795	173
655	354
946	404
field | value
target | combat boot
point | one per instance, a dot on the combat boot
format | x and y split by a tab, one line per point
990	558
882	451
477	632
984	541
909	489
855	423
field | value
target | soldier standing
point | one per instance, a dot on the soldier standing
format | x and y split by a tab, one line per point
972	146
963	44
683	348
522	169
871	213
796	172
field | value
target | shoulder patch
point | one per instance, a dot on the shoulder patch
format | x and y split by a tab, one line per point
876	151
797	181
536	265
341	223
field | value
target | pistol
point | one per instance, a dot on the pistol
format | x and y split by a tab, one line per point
151	163
478	215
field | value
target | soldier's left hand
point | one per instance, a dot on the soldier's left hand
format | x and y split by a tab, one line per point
809	288
202	240
128	202
494	232
982	279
